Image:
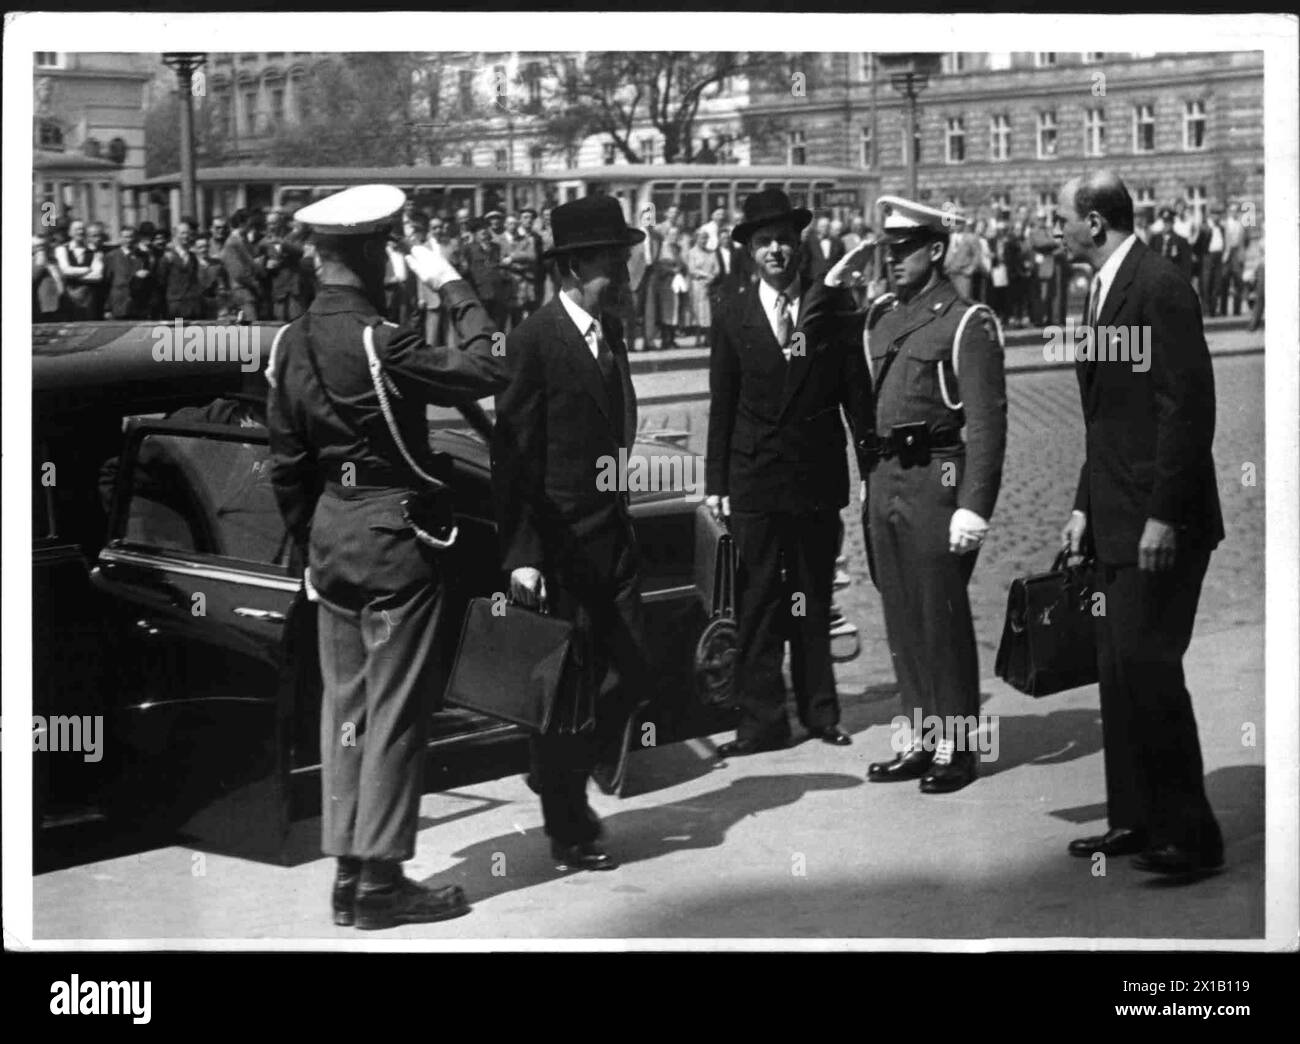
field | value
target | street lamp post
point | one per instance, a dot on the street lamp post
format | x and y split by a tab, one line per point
184	64
909	75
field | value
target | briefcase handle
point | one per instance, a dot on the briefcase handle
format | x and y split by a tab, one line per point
724	578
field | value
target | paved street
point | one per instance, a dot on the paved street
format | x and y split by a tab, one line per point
795	844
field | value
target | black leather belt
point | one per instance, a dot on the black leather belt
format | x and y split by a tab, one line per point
911	443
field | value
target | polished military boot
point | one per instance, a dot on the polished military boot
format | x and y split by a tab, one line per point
344	895
386	898
911	764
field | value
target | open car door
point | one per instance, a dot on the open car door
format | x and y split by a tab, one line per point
210	625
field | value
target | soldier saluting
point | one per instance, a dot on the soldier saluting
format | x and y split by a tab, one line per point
353	475
937	367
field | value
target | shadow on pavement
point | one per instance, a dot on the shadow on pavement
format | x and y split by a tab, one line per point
519	860
1051	739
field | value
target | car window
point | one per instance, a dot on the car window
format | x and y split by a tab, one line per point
199	494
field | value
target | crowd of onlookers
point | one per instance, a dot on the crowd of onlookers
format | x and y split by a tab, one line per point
259	266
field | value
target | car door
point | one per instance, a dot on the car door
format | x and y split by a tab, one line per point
208	623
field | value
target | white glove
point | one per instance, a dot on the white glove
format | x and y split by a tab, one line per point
431	267
851	264
966	531
312	594
719	507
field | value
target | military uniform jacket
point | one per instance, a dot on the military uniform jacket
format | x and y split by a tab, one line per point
342	437
920	333
776	440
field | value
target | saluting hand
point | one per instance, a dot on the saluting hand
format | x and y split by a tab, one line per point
852	264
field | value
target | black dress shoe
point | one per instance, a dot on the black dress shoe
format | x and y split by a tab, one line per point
949	774
739	748
911	764
831	734
405	902
1117	842
1175	859
586	855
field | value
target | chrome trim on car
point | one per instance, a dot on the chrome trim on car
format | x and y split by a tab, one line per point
191	568
666	593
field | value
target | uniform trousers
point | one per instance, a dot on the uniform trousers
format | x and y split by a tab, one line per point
785	569
615	671
923	587
1154	774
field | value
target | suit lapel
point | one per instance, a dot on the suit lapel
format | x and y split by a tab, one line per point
577	358
801	362
1118	291
760	330
619	351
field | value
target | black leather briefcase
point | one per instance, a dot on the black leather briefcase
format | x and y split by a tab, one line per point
518	665
715	652
1049	641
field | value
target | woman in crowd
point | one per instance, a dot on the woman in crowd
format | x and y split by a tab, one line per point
701	270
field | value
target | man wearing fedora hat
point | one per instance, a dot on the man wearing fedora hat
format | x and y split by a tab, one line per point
783	364
567	544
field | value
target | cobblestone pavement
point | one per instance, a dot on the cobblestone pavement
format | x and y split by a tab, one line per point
1044	451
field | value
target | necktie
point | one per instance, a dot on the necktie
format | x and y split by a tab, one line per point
783	326
612	381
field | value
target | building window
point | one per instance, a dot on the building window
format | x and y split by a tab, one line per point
865	156
607	153
465	82
1196	203
250	112
1000	136
534	159
954	62
867	66
49	59
1092	57
500	87
955	140
301	97
1044	59
1194	126
533	77
1046	134
797	150
500	160
1047	204
1144	202
51	136
1144	128
277	105
1001	203
467	157
646	147
1094	132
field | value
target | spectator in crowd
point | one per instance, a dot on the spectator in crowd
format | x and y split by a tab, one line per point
524	261
220	232
1183	224
129	278
482	259
213	285
245	268
855	233
82	269
286	276
1044	246
1004	267
400	293
427	300
178	275
537	270
670	276
701	270
642	262
97	237
47	282
713	227
980	280
1171	245
1211	243
962	262
1142	225
821	250
1233	254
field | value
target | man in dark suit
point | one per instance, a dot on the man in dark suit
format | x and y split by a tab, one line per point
128	278
244	266
566	542
178	276
482	267
782	365
1148	503
348	471
821	250
735	270
1171	246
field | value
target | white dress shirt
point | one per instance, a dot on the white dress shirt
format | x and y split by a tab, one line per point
1106	275
767	298
587	326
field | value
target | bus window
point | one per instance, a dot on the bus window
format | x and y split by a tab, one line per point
717	195
663	194
494	197
691	200
744	189
432	199
798	193
459	196
258	194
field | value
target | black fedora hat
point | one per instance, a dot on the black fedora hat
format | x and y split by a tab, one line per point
762	208
592	221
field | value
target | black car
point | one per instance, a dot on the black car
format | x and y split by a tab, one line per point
164	599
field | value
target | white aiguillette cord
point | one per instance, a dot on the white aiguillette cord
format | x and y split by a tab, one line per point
380	380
